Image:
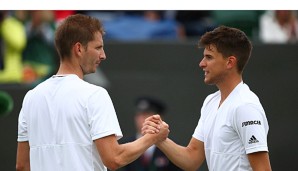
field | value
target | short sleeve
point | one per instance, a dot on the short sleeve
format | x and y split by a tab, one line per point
103	120
23	121
252	127
22	128
198	133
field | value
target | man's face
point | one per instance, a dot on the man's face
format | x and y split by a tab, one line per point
214	65
93	54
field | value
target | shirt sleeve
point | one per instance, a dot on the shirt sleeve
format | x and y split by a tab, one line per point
252	127
198	133
103	119
22	128
23	122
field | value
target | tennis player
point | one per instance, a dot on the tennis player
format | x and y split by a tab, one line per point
232	131
67	124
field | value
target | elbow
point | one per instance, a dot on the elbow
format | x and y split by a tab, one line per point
190	166
113	167
194	169
114	164
20	167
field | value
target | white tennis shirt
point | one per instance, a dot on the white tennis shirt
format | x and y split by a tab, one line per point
60	118
233	130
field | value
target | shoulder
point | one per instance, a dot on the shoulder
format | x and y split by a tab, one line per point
211	98
247	102
244	95
79	85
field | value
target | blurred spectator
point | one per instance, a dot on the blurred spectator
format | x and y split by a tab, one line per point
1	43
103	15
280	26
141	25
12	33
40	58
195	23
245	20
60	15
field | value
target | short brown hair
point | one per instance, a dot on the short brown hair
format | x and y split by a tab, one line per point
229	42
76	28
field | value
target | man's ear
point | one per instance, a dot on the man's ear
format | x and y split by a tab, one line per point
77	49
231	62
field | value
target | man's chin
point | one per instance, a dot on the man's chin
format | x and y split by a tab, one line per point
208	82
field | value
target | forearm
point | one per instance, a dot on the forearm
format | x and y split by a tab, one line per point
116	155
132	150
259	161
182	157
23	159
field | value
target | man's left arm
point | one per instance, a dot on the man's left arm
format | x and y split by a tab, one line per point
259	161
23	159
252	126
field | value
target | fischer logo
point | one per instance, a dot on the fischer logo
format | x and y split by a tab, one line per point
247	123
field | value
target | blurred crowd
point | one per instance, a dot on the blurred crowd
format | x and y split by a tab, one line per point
28	56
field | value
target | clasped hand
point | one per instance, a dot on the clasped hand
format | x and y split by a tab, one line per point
155	125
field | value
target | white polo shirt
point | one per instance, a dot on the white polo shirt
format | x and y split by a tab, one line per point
60	118
233	130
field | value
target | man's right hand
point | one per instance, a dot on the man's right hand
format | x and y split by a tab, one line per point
155	125
164	132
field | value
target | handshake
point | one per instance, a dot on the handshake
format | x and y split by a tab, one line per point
156	127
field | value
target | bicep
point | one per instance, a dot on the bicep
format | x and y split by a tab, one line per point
107	147
259	161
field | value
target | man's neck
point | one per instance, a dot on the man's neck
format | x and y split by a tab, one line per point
228	86
68	67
